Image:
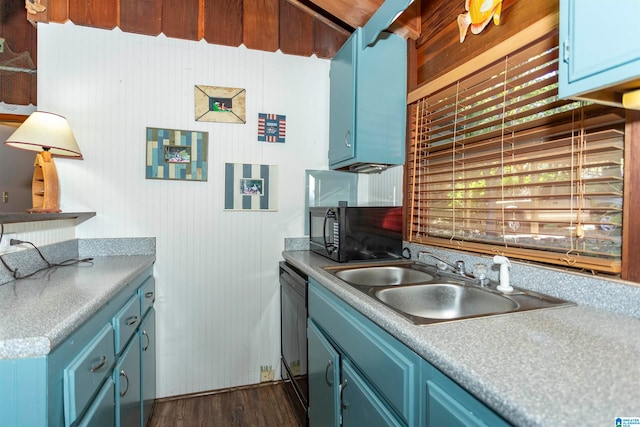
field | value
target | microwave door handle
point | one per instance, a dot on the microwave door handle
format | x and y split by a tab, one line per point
324	232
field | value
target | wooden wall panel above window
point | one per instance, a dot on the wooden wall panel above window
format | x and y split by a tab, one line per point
439	49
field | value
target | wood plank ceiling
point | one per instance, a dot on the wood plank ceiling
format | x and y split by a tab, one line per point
296	27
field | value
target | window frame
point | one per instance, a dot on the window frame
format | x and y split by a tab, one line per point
548	257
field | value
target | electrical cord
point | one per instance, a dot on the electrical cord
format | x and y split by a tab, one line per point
66	263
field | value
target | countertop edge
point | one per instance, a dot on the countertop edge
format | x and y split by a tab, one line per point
46	341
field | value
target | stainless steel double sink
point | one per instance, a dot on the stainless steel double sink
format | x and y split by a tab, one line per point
425	295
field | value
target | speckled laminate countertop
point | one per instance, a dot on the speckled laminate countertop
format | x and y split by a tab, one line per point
38	313
562	366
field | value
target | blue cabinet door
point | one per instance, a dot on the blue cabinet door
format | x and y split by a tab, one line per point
387	364
368	89
102	411
324	380
360	404
342	103
147	335
448	404
126	376
600	45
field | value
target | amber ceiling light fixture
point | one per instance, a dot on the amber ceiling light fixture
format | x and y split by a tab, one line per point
50	135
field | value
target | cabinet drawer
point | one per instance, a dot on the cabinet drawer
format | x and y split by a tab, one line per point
84	375
125	322
147	293
386	363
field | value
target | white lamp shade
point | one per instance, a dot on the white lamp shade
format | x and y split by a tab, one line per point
45	131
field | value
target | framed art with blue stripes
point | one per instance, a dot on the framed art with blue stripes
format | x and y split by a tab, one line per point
177	154
250	187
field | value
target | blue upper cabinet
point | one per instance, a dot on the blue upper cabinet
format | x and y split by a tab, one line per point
600	50
368	90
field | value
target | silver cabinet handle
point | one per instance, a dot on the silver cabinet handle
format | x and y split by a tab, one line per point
342	387
144	334
124	374
150	295
347	138
100	364
132	320
326	374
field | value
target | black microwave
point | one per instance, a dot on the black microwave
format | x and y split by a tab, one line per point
347	233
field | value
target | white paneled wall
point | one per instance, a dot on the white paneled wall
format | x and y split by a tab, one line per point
217	284
42	233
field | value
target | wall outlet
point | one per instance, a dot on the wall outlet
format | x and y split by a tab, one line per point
5	246
267	373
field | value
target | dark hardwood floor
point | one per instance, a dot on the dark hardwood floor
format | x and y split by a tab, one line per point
263	405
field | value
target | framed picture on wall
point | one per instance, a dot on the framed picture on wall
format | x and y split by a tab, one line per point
250	187
177	154
220	104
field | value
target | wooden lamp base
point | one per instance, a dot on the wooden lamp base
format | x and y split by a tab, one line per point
44	186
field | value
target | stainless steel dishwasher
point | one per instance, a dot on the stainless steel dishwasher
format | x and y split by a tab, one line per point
293	331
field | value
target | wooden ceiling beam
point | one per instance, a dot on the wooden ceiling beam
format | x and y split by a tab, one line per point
353	12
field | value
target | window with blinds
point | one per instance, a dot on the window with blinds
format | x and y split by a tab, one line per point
498	164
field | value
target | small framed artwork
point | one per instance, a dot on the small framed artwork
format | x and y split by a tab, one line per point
177	154
250	187
271	127
220	104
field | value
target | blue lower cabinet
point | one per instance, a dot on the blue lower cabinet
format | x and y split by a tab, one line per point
360	372
324	380
446	403
361	406
102	412
147	335
126	376
360	375
84	376
94	377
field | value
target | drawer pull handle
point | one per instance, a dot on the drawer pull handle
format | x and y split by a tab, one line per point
146	347
326	374
100	364
150	295
124	374
132	320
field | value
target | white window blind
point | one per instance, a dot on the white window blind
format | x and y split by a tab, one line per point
498	164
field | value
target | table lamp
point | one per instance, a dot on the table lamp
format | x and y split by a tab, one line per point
50	135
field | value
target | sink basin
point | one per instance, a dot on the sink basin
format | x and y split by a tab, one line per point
383	276
444	301
426	295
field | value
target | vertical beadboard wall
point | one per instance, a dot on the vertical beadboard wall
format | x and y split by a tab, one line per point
43	232
216	271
